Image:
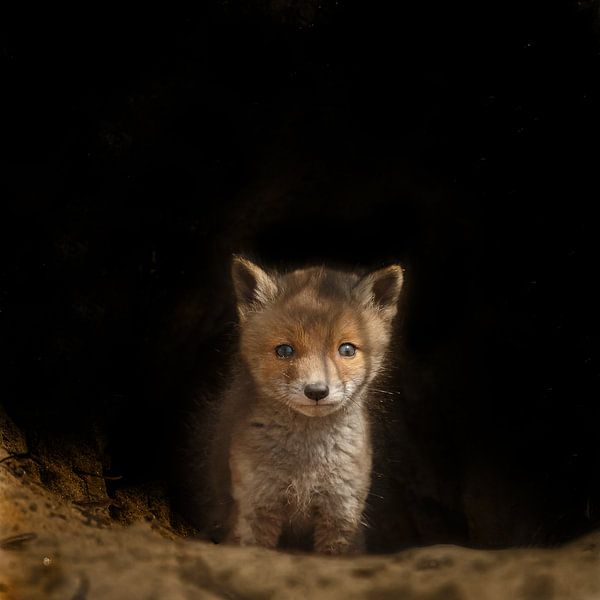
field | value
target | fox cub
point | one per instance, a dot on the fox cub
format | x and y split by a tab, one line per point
291	454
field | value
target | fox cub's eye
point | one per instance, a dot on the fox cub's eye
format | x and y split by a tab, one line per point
347	349
284	351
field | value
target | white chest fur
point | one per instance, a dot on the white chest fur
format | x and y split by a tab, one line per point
296	467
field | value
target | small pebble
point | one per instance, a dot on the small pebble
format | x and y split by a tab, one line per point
46	561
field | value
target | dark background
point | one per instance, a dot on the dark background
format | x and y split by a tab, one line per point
140	150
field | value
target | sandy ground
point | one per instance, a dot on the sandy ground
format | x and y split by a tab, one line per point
53	549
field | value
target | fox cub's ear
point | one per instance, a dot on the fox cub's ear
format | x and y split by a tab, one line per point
381	289
253	287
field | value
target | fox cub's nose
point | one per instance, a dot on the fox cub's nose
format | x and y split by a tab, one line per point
316	391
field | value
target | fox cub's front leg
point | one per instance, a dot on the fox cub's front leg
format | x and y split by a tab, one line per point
257	526
338	525
257	519
337	536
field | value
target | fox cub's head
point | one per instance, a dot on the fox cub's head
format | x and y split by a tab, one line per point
313	339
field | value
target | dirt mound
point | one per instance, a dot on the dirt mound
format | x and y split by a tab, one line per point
54	549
